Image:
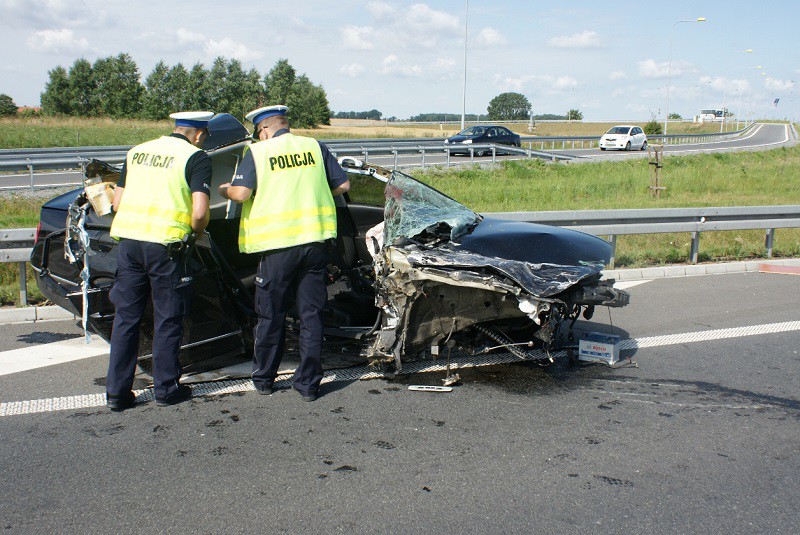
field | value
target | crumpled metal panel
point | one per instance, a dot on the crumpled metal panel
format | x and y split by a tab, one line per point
541	280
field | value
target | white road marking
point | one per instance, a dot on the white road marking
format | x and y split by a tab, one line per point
622	285
365	372
39	356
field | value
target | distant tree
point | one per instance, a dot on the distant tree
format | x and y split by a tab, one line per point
278	83
118	93
178	88
574	115
156	99
214	88
253	94
444	117
82	86
676	116
195	96
509	107
308	104
7	106
55	98
550	117
373	114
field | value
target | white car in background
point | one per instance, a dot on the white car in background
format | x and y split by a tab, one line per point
624	137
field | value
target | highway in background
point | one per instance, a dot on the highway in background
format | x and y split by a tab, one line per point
701	437
761	137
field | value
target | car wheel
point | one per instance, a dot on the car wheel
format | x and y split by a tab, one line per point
628	146
602	148
479	153
644	146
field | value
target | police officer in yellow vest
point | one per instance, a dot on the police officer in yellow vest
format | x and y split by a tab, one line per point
287	184
162	196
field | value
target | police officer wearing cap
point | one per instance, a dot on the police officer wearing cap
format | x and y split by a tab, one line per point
287	184
161	198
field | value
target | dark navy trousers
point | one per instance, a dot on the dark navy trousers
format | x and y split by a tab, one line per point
144	268
296	272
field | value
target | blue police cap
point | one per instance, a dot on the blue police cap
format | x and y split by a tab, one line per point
192	119
256	116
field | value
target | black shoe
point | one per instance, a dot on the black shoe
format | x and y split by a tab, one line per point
120	403
265	391
180	395
311	396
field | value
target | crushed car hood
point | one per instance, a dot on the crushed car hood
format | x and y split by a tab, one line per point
439	233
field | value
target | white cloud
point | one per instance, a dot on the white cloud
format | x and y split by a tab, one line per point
358	37
352	70
38	13
229	48
191	43
187	37
778	85
617	75
725	85
61	41
564	82
415	27
424	19
439	69
380	10
584	39
491	37
650	69
519	84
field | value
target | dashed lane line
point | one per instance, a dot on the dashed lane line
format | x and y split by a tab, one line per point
364	372
39	356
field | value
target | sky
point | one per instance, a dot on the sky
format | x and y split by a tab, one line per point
610	60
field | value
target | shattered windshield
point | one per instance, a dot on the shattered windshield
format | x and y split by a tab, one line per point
412	207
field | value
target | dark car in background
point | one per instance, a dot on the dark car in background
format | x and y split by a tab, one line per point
410	270
481	135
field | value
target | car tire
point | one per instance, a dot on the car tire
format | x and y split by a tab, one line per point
644	146
602	148
628	146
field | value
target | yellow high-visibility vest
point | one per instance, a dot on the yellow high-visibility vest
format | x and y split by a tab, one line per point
157	204
292	204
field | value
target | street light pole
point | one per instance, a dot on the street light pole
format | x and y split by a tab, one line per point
669	68
464	100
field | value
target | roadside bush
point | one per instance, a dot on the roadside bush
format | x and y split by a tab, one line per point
653	128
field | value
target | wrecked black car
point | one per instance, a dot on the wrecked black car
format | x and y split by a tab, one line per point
411	271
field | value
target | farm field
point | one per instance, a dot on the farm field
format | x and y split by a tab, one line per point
41	132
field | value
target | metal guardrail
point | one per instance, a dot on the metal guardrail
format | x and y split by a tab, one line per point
71	157
16	244
663	220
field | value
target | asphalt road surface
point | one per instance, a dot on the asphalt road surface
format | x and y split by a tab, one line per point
761	137
701	437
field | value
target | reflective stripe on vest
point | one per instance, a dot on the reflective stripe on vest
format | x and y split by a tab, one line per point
157	203
292	203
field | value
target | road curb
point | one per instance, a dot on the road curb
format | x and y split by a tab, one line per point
34	314
663	272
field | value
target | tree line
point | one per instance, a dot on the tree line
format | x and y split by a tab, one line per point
111	87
